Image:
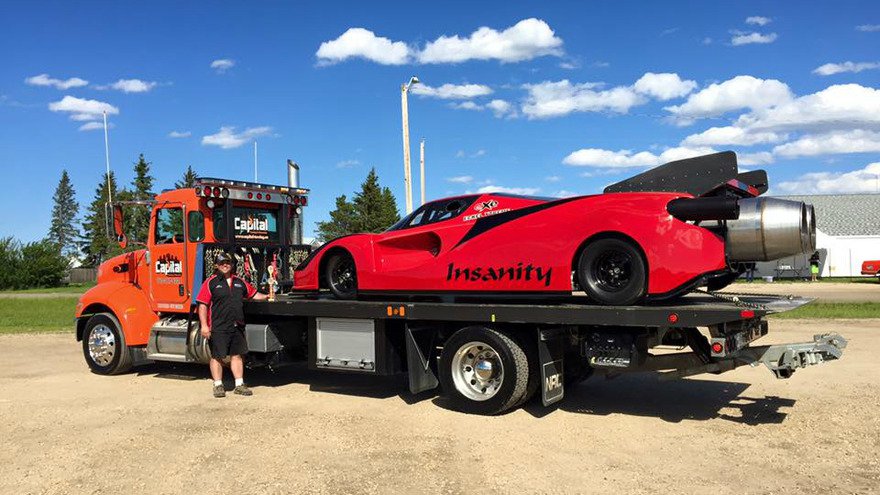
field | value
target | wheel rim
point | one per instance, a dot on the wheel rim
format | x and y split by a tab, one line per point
477	371
612	270
343	277
102	345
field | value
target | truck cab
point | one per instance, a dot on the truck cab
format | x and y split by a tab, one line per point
144	298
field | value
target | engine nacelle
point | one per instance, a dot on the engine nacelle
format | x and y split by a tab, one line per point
768	229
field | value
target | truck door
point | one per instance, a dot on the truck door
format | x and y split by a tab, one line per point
168	254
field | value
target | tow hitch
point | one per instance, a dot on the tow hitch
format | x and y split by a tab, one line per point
784	359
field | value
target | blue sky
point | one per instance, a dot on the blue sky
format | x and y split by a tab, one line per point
551	98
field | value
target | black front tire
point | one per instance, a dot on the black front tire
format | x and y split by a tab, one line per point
612	272
104	346
341	275
508	357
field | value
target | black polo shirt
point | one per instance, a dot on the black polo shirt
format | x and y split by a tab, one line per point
225	301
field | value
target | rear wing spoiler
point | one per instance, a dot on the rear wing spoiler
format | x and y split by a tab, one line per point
708	175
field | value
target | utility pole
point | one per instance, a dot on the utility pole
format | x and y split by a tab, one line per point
407	171
107	158
422	167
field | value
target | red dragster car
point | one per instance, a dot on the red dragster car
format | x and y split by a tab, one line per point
871	268
619	248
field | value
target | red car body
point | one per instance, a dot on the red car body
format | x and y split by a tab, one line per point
871	267
498	243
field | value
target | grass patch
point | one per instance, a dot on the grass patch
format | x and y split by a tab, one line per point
49	314
859	310
67	289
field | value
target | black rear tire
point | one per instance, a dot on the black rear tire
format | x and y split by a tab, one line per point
507	357
341	275
612	272
104	345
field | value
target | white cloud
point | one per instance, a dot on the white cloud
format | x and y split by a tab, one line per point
130	86
555	99
363	43
222	65
563	193
461	179
759	158
452	91
733	94
45	80
757	20
179	134
732	136
479	153
739	39
553	178
226	138
663	86
854	141
830	69
707	40
525	191
595	157
81	109
94	126
570	64
865	180
502	108
842	106
868	28
499	108
526	40
347	163
466	105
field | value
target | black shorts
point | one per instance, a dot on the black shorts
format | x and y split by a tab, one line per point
228	343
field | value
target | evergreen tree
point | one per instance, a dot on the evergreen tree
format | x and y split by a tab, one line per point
96	246
137	217
188	180
342	221
374	206
373	209
64	211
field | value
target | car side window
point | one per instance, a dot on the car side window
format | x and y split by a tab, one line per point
169	226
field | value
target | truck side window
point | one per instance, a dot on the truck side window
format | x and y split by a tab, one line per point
218	219
196	223
169	226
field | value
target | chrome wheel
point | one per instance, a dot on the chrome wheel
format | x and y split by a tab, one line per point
477	371
102	345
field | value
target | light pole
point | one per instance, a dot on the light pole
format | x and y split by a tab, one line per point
407	172
422	167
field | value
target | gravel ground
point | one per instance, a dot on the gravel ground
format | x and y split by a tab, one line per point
158	430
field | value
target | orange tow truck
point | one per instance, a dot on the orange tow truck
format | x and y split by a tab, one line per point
487	356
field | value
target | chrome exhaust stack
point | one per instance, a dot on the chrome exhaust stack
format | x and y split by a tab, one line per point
769	229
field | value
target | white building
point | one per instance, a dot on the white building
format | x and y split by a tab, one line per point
847	233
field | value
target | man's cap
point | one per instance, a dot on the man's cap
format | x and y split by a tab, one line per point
222	258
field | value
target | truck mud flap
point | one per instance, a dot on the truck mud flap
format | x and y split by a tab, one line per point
419	344
550	355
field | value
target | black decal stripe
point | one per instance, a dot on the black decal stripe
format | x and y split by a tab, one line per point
485	224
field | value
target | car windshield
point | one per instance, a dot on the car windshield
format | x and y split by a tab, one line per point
436	211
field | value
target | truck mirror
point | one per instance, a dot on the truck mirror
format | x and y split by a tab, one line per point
115	224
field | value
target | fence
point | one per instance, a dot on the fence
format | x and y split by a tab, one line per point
83	275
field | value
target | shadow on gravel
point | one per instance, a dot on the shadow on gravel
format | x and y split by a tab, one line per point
639	394
672	401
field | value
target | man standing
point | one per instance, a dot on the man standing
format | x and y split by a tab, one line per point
221	315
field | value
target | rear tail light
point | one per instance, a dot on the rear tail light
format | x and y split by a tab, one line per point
303	200
259	195
717	348
225	193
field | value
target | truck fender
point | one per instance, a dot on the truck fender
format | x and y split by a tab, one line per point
126	302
